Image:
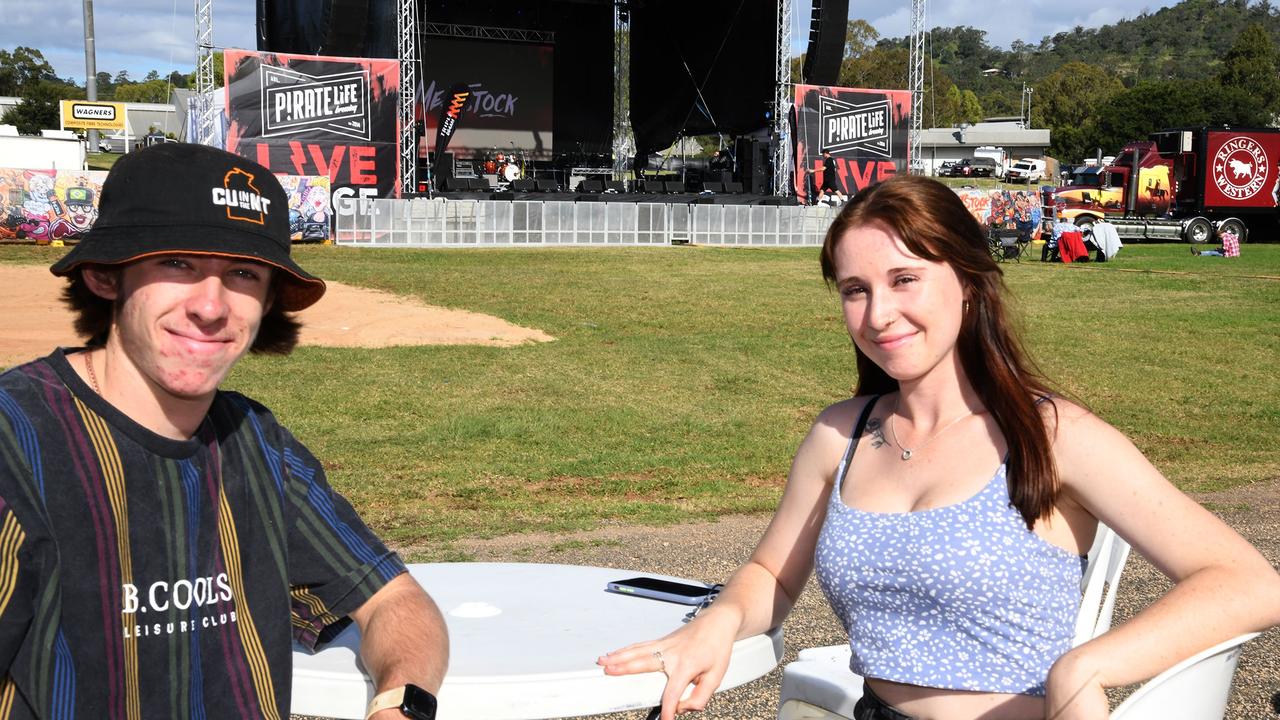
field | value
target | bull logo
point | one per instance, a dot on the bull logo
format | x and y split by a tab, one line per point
1240	168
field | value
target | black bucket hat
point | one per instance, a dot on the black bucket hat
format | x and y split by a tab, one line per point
195	199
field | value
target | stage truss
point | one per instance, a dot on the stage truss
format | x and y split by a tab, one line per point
915	77
624	145
783	97
204	72
407	42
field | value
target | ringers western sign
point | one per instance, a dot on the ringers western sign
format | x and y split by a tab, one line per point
92	115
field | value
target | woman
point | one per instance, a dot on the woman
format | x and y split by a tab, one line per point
950	502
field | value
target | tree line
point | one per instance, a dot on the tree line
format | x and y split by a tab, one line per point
25	73
1201	62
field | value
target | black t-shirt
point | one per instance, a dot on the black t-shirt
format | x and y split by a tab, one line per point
142	576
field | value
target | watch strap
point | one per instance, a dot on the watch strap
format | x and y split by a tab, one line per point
386	699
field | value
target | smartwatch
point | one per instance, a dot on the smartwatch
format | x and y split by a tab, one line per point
411	700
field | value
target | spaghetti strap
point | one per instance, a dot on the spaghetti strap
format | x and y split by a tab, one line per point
853	439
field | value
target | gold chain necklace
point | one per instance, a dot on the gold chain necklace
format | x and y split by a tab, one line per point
93	377
908	452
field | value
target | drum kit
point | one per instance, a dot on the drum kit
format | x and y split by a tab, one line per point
507	165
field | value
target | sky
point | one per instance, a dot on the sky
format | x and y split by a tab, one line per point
143	35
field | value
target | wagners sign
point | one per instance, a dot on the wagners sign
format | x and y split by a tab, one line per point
92	115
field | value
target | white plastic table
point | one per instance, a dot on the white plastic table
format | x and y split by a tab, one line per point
523	641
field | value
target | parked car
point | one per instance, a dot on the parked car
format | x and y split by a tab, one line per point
975	167
944	169
1027	170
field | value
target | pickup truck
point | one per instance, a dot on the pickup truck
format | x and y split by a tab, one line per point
1027	170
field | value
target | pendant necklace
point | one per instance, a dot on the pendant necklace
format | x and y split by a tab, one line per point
908	452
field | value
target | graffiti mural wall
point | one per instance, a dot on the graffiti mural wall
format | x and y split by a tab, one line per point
310	208
1012	209
41	206
45	205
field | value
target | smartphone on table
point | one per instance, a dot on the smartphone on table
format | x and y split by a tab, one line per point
658	589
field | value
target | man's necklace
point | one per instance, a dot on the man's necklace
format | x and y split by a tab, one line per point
908	452
93	377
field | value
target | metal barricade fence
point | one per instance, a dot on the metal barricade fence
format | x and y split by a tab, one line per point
420	222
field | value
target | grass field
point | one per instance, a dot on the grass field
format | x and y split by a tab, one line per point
681	379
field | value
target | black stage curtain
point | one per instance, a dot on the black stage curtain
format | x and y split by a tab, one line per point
724	46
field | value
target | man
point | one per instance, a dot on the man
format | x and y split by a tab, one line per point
161	540
831	190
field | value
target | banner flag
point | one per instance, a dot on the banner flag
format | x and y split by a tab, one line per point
450	114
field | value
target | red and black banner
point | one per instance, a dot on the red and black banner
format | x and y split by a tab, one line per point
315	115
450	114
865	131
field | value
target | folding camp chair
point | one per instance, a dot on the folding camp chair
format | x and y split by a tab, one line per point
1007	244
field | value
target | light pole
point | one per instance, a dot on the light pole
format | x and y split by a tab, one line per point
90	68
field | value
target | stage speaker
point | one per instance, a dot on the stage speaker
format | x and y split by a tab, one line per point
590	186
545	185
619	186
733	187
826	41
713	187
443	170
753	165
523	185
673	186
481	184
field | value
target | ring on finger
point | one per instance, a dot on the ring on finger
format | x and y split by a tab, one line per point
662	664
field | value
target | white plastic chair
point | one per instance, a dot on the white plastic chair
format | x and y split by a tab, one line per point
820	686
1197	687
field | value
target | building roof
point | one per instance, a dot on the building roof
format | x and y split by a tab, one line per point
1000	134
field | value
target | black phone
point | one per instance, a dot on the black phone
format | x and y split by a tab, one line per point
658	589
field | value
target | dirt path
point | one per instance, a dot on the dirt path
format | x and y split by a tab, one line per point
35	321
711	551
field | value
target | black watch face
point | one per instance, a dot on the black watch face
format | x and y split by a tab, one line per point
418	703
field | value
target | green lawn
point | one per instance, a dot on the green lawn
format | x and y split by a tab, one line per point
101	160
682	379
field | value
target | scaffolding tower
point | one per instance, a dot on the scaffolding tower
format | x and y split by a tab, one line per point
204	73
624	142
915	77
782	99
407	42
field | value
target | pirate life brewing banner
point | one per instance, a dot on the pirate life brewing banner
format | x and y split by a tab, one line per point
316	115
864	130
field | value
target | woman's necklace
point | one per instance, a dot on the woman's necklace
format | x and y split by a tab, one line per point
908	452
